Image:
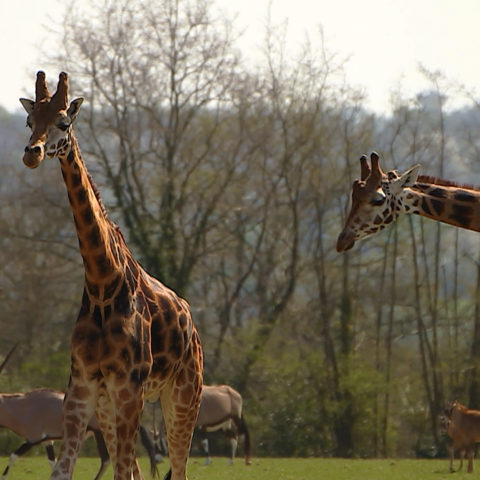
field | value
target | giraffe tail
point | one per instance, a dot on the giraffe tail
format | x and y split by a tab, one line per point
168	476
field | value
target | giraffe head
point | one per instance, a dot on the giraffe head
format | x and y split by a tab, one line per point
377	200
50	118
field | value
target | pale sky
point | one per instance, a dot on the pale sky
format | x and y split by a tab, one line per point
384	40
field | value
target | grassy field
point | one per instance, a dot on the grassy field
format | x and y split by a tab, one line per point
263	469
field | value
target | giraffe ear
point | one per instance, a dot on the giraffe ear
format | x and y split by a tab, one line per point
408	179
74	108
27	104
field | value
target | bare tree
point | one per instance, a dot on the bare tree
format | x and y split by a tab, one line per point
157	76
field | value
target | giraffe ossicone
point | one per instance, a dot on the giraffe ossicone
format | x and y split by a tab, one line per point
379	198
134	338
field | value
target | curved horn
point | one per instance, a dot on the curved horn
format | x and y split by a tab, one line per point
41	89
60	98
7	358
364	168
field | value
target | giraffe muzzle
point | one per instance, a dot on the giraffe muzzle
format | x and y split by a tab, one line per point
345	241
33	156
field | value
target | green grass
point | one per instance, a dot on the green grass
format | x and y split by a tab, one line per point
30	468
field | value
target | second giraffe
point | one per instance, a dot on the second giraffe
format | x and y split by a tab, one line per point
379	198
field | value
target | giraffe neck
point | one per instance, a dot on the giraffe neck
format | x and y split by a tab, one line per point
444	202
98	237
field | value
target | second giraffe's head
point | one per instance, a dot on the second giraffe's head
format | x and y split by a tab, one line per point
50	118
377	200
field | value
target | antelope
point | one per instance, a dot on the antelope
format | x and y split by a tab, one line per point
37	417
220	409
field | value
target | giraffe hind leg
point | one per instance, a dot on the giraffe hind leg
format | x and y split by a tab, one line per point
107	421
102	452
180	403
128	405
105	413
128	421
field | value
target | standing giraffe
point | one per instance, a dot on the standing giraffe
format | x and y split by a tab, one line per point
134	338
378	199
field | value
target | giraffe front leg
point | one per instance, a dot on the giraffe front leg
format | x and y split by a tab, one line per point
78	408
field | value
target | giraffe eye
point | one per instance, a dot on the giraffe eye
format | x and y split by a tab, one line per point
378	200
63	125
29	123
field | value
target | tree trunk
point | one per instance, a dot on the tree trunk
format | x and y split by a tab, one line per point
474	387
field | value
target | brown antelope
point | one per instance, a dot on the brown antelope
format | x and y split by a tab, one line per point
36	416
458	440
463	427
220	409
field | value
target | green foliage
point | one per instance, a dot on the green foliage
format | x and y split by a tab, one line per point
54	371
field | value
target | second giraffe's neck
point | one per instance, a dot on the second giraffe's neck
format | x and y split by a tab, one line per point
98	236
445	202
